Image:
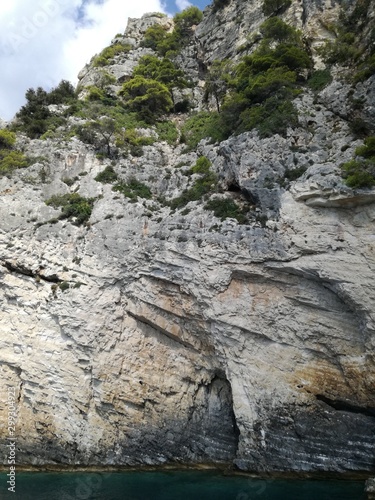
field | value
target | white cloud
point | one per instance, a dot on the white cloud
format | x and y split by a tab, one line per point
45	41
183	4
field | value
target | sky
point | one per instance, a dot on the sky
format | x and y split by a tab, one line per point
45	41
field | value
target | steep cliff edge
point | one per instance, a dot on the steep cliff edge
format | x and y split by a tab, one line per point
158	332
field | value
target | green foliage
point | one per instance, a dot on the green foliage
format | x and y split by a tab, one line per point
205	184
342	50
275	80
12	160
106	56
108	176
133	142
365	69
201	126
224	208
133	189
95	93
275	7
354	45
359	127
64	286
218	80
360	172
368	149
74	207
161	70
100	132
154	37
277	30
294	173
202	166
219	4
149	98
64	93
265	82
319	79
7	139
273	116
34	118
169	44
188	17
167	131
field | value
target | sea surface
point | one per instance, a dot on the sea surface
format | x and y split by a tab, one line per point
172	485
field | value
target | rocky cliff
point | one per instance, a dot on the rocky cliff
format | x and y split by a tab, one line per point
150	335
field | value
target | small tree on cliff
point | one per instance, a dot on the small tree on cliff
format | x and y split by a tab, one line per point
149	98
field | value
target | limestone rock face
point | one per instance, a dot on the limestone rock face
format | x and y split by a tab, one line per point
150	336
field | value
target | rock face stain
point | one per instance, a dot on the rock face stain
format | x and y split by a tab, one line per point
178	337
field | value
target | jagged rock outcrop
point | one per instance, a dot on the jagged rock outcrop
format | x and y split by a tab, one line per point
151	336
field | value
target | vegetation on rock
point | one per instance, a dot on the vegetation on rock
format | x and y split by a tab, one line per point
354	43
133	189
35	117
74	207
10	158
169	44
360	172
206	183
150	99
107	55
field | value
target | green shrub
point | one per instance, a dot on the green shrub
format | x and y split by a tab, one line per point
133	142
107	54
359	127
95	93
293	174
185	20
365	69
108	176
319	79
12	160
343	50
169	44
7	139
154	36
64	285
163	71
354	45
265	82
74	207
149	98
202	166
219	4
167	131
368	149
133	189
273	116
64	93
360	172
277	30
201	126
271	7
202	186
35	118
224	208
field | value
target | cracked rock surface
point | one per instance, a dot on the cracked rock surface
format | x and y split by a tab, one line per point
151	336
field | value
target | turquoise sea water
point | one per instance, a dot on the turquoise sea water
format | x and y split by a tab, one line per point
168	485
